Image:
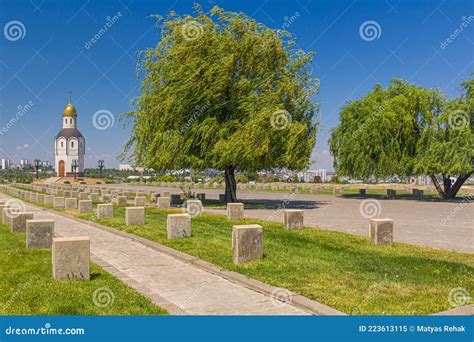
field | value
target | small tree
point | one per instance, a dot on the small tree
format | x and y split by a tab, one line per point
407	130
225	92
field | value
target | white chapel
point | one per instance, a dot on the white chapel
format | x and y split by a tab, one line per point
69	146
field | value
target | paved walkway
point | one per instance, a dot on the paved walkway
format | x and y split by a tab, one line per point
438	224
177	286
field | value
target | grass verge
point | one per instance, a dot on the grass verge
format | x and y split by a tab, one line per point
27	286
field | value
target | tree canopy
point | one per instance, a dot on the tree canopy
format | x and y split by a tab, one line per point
407	130
223	91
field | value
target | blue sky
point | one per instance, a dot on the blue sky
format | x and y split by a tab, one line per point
49	55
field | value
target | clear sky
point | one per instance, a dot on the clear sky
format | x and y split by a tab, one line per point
46	51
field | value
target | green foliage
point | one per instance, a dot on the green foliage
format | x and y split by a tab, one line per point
405	130
210	90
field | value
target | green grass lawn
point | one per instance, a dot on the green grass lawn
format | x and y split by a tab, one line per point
27	286
337	269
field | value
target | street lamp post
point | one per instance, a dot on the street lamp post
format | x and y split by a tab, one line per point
74	167
37	163
101	167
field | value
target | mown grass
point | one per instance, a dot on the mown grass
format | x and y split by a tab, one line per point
27	286
337	269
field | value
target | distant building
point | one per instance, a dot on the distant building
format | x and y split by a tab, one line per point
127	167
319	176
24	164
5	164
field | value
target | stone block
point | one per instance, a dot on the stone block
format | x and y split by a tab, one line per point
84	196
85	206
247	243
134	216
58	202
391	193
178	226
49	200
175	199
40	198
105	211
235	211
381	231
293	219
122	201
18	221
94	197
166	194
71	257
164	202
71	203
106	198
39	233
139	201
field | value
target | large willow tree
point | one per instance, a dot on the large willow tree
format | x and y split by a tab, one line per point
223	91
407	130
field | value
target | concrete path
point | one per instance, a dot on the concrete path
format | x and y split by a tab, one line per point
172	284
438	224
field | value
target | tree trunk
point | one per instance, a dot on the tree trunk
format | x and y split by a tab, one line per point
449	190
230	185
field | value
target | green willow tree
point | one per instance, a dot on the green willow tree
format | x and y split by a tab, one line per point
223	91
406	130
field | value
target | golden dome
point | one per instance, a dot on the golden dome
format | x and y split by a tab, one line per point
69	111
